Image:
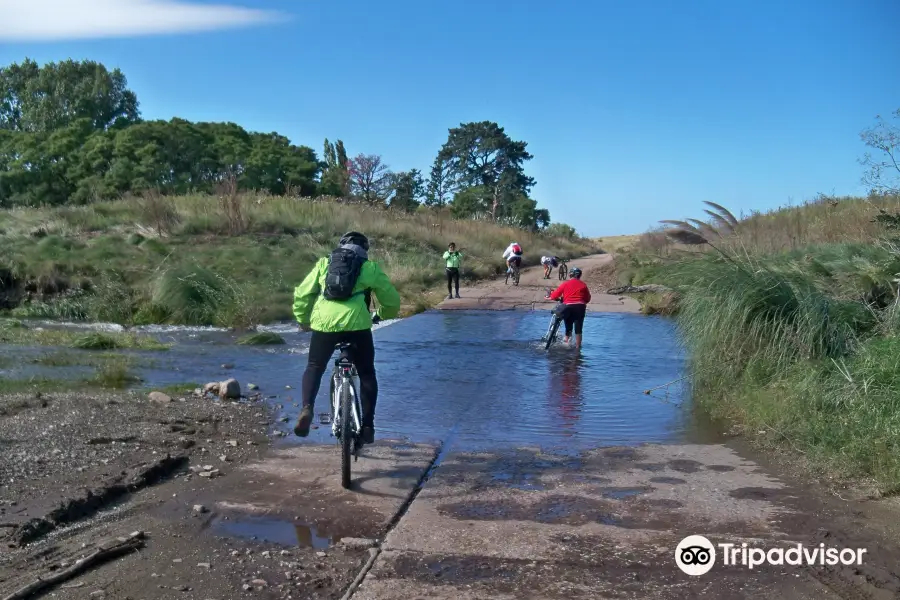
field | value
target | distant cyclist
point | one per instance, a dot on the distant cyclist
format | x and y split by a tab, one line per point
513	255
575	296
549	263
332	301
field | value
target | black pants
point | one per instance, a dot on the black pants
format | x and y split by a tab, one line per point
573	317
321	349
452	277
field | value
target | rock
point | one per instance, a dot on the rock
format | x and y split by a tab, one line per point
252	386
321	554
186	443
98	594
229	389
288	575
223	458
232	443
210	474
228	366
159	397
247	587
207	467
283	419
200	509
351	542
211	388
176	560
204	565
260	583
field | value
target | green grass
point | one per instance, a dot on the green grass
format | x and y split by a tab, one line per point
73	339
176	389
262	338
802	345
199	274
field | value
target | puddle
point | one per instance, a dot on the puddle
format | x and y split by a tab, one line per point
276	531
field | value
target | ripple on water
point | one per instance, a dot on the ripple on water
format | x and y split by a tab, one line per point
478	379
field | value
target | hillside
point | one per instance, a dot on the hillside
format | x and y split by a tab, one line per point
230	261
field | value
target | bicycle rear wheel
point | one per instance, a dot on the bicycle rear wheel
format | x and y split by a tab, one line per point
516	276
563	271
346	431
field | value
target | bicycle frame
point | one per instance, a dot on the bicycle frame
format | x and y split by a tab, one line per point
344	369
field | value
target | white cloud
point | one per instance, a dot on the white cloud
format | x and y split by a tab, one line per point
46	20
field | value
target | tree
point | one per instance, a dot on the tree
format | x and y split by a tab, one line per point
408	190
482	154
370	179
335	174
42	99
440	188
883	174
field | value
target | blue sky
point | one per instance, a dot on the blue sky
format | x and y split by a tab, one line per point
634	111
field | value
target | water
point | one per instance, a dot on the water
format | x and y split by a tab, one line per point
479	380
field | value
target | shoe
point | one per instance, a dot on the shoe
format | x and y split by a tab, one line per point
368	434
304	421
457	295
450	297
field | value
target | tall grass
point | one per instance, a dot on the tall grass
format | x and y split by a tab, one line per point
192	268
798	341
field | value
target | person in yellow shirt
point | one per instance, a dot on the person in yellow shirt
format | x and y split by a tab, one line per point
334	305
452	257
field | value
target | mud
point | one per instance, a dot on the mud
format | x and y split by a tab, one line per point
81	468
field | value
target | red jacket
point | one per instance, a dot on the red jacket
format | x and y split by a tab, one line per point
572	291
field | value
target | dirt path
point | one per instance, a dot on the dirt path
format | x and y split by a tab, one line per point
529	294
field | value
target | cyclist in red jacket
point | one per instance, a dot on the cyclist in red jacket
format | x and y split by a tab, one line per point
575	296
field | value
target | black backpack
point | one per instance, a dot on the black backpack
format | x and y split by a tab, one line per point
344	267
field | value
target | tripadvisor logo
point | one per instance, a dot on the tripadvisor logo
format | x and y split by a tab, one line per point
696	555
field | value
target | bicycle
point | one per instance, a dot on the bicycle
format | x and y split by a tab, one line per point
514	274
555	320
346	411
563	270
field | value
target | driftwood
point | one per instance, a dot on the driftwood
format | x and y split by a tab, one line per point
112	549
639	289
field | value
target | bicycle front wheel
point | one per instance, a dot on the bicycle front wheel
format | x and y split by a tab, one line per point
346	431
516	276
551	334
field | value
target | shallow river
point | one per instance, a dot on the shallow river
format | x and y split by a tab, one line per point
471	379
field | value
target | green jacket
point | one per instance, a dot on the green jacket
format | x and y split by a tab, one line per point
332	316
453	259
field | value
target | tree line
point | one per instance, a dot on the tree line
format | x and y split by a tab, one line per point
72	133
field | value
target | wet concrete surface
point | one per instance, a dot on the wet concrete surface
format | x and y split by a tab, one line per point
601	525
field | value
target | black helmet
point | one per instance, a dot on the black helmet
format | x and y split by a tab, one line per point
355	237
576	272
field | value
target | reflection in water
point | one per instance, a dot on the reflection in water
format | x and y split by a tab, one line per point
480	378
565	390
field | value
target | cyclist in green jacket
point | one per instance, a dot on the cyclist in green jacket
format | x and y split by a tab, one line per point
343	321
452	256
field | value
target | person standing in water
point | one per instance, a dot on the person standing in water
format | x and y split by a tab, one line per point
453	257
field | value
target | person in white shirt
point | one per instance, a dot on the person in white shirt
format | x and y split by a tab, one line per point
549	262
513	253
